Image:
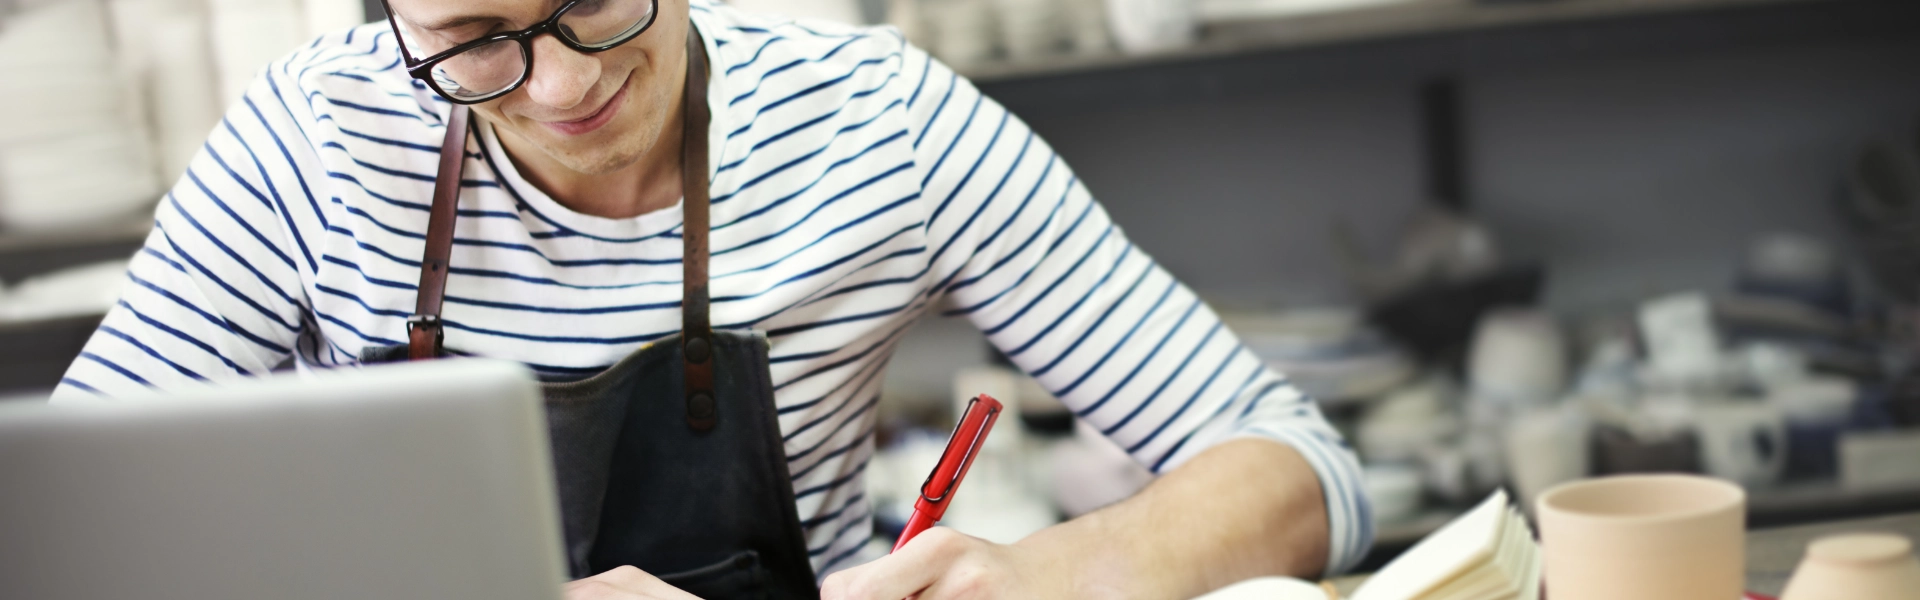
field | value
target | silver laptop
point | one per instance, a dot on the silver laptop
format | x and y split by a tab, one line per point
415	482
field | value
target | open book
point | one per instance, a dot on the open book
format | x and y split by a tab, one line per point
1487	554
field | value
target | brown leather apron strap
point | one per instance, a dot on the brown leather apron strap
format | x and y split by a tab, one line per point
424	334
696	327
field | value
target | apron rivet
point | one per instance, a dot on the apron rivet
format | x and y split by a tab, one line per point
700	406
698	350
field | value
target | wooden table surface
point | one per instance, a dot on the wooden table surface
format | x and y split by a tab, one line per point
1773	553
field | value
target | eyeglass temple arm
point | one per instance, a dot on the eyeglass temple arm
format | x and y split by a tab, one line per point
397	40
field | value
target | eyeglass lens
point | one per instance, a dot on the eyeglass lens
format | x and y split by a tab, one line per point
490	69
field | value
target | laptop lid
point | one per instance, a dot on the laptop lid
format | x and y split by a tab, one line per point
415	482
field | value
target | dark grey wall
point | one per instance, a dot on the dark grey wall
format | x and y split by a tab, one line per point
1638	177
1628	176
1239	196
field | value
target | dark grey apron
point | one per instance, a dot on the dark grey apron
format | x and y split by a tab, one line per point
670	460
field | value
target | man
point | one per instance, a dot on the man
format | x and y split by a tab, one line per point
856	185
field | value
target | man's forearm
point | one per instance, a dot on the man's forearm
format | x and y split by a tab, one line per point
1242	509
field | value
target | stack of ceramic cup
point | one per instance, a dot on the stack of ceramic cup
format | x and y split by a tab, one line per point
72	150
1517	372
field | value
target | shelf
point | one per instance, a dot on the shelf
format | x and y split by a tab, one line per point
24	254
1422	39
122	232
1369	23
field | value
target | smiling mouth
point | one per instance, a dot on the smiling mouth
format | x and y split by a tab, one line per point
599	117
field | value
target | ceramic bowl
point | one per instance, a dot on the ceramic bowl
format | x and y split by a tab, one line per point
1646	537
1858	566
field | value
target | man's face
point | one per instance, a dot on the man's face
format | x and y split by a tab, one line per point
591	113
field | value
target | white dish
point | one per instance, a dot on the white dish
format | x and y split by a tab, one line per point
1269	588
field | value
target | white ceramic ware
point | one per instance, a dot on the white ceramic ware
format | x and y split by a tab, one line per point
1408	423
1148	26
1742	441
166	52
1815	400
74	181
1859	566
906	16
1030	29
250	34
1394	491
1544	449
1086	22
1519	356
1683	345
83	290
964	32
1270	588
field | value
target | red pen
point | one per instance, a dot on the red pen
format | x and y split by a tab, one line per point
974	423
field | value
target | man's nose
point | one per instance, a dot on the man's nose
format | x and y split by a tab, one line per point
562	78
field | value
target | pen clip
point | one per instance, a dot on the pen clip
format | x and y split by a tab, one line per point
974	444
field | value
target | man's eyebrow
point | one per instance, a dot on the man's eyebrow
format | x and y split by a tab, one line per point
455	22
465	20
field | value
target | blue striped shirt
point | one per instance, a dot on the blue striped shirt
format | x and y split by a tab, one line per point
858	185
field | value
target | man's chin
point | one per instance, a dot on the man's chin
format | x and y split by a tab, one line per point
597	164
590	159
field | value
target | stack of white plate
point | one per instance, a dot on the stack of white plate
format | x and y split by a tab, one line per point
250	34
1331	353
167	55
77	291
72	150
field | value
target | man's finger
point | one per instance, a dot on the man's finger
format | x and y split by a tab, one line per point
624	583
901	574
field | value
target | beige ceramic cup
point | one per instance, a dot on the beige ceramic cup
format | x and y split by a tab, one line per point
1645	537
1860	566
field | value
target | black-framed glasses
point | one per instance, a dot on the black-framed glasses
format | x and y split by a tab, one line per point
498	63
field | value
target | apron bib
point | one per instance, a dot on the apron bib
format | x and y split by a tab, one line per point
671	460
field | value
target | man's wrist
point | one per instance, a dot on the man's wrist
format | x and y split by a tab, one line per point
1083	558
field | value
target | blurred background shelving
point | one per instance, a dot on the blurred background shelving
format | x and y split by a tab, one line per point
1285	157
1327	24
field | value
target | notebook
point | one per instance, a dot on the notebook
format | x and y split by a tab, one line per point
1487	554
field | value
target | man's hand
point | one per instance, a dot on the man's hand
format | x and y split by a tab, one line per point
1243	509
624	583
943	564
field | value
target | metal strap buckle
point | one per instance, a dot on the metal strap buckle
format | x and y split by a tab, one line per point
418	321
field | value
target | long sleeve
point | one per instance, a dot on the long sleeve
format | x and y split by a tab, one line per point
1026	253
216	291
